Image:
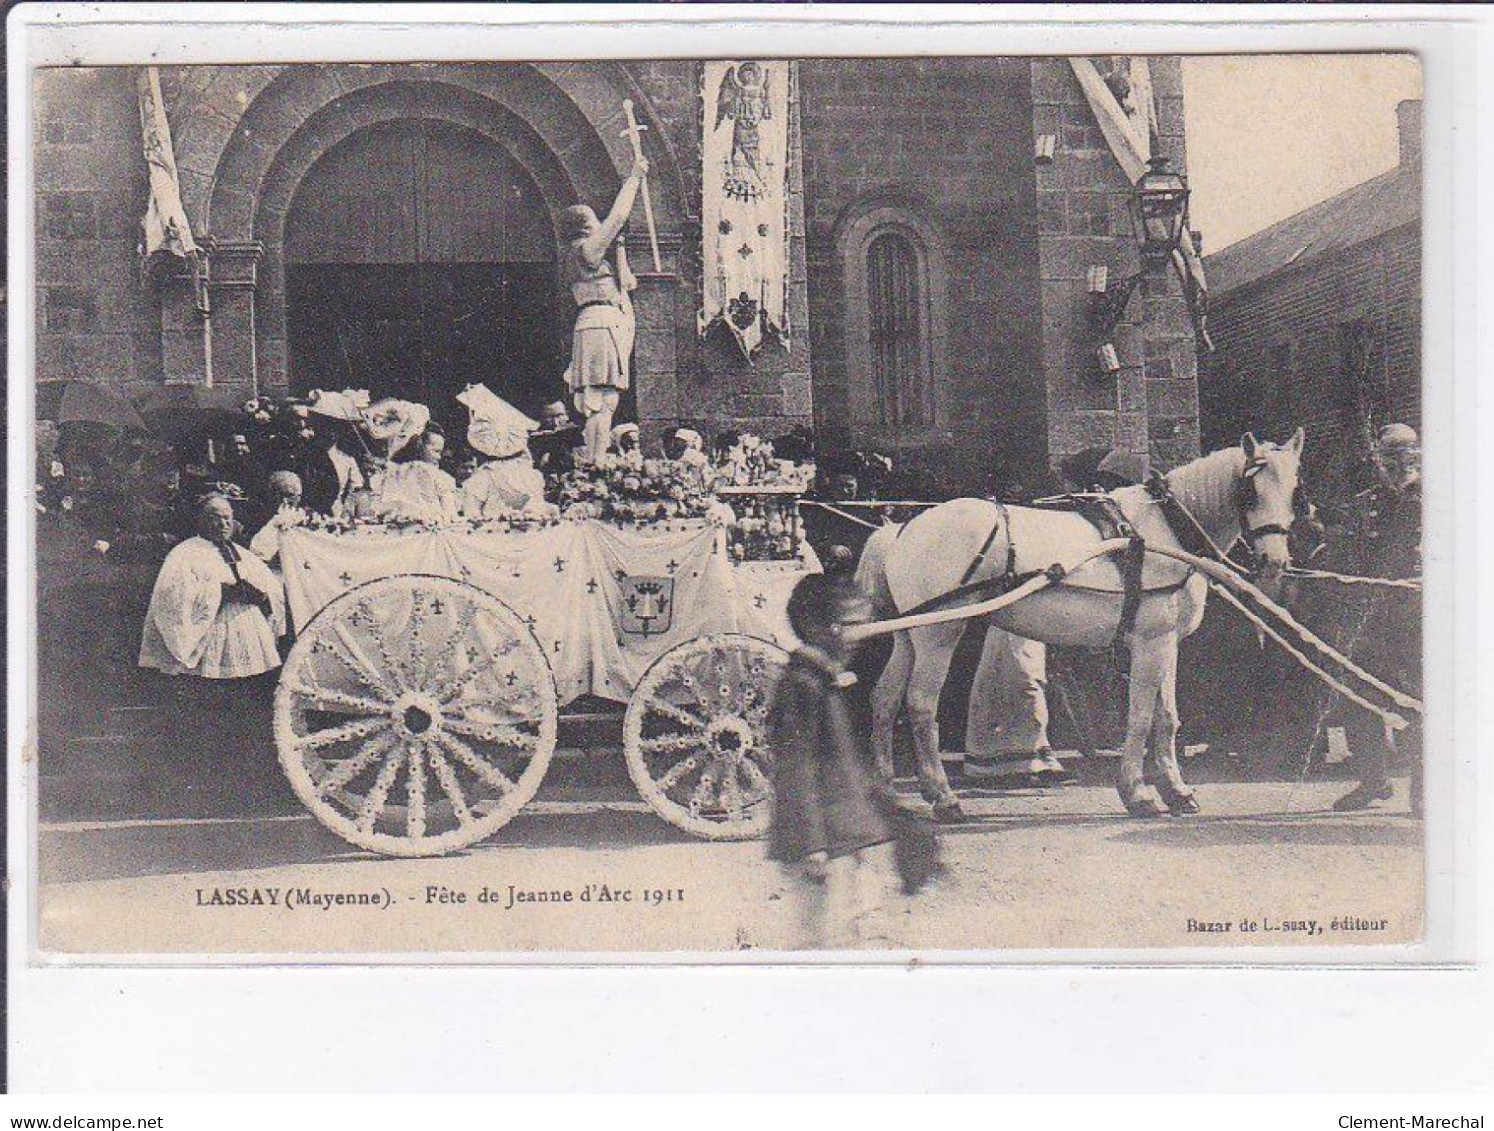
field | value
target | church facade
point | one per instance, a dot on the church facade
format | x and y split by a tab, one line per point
395	227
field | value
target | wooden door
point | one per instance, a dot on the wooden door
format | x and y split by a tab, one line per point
420	258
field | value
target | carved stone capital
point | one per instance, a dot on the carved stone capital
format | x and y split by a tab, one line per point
233	265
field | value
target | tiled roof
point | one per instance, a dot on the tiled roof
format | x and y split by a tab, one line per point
1363	212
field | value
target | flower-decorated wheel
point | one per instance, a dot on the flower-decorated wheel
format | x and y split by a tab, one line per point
415	715
694	735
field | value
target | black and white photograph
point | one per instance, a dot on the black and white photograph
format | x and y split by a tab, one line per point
729	507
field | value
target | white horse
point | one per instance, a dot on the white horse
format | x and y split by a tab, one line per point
1246	491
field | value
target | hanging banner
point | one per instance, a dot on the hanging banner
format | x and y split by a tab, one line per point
164	227
744	199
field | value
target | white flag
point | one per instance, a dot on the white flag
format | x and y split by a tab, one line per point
744	198
165	224
1129	129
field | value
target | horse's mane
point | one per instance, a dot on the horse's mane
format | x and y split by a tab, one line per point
1206	486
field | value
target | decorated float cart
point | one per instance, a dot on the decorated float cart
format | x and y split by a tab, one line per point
417	711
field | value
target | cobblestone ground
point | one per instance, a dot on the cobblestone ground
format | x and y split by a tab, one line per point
1060	868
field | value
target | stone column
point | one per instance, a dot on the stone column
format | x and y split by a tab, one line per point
233	273
1150	407
185	332
655	355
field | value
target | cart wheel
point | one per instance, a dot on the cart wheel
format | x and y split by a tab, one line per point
415	715
694	735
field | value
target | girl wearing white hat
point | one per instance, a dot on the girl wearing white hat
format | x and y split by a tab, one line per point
508	483
625	441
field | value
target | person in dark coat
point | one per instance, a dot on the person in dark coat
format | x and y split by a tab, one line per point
837	828
1380	629
330	471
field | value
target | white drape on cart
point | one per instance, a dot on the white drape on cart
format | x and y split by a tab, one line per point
604	601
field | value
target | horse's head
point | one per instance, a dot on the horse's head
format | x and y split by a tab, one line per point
1265	497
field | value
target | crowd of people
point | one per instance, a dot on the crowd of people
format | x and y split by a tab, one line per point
217	609
135	493
212	515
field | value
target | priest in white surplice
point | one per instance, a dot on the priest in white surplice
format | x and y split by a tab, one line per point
216	609
509	483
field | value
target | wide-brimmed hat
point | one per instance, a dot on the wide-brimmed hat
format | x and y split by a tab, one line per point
1398	436
395	422
346	405
497	429
1130	467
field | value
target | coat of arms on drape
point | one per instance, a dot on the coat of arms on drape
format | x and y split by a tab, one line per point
744	198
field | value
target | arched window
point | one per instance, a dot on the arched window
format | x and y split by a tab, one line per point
894	324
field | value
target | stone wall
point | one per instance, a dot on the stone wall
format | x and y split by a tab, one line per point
948	142
1280	362
1083	198
717	388
244	135
93	322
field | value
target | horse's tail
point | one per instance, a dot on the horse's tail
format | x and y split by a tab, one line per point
871	571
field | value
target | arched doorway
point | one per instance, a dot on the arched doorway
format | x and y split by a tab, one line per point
420	257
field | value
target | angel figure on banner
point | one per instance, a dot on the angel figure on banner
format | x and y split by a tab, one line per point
744	198
743	97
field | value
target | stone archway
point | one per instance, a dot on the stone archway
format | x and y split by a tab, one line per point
368	107
560	122
402	280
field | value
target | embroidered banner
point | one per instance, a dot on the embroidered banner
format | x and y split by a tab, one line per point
744	198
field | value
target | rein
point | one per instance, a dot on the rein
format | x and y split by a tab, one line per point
1191	536
1189	531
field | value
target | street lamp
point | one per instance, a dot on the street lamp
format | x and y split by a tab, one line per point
1160	203
1159	206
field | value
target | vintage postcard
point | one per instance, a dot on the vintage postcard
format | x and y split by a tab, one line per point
726	506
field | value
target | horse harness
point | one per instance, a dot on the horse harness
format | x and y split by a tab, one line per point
1245	494
1108	520
1105	515
1003	518
1192	536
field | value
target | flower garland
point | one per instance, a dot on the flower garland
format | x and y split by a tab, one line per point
764	530
635	491
750	462
502	524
